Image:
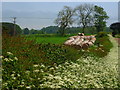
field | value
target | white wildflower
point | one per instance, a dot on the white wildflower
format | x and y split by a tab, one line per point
22	82
57	77
18	75
41	70
35	65
42	65
51	68
9	53
28	87
11	59
21	85
36	70
12	75
6	59
1	57
16	58
83	50
27	72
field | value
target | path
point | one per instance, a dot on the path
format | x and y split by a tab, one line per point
112	58
118	40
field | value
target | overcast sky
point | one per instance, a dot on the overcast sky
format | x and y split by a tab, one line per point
42	14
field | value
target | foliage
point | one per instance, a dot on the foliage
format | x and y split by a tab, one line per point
59	53
33	31
29	52
25	31
101	34
118	36
9	27
50	29
84	15
100	17
115	28
84	73
64	19
102	45
25	50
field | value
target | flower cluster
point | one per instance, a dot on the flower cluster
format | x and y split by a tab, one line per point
10	57
85	73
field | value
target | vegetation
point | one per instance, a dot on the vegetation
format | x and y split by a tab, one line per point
115	28
25	31
9	28
42	60
100	17
85	15
90	72
103	44
47	39
64	19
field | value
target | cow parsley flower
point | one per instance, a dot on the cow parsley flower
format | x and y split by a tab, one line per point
16	58
35	65
9	53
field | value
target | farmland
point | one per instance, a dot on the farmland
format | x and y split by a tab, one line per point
47	39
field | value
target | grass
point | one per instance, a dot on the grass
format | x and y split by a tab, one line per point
117	36
52	40
47	38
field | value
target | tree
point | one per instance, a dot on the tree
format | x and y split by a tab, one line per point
100	18
8	28
116	28
26	31
84	15
64	19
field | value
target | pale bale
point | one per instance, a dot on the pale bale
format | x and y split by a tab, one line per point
90	43
68	42
93	40
85	46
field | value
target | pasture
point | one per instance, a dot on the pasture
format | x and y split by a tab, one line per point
46	39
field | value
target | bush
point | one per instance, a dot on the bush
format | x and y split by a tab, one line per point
101	34
102	45
59	53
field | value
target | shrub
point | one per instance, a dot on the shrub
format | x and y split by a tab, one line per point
101	34
59	53
102	45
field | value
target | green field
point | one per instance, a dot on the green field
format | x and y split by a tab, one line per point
47	39
52	40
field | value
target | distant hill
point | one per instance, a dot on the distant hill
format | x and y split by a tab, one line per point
9	28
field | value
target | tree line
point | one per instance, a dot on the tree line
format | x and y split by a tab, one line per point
84	15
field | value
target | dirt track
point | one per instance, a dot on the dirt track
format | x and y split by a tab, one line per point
118	40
